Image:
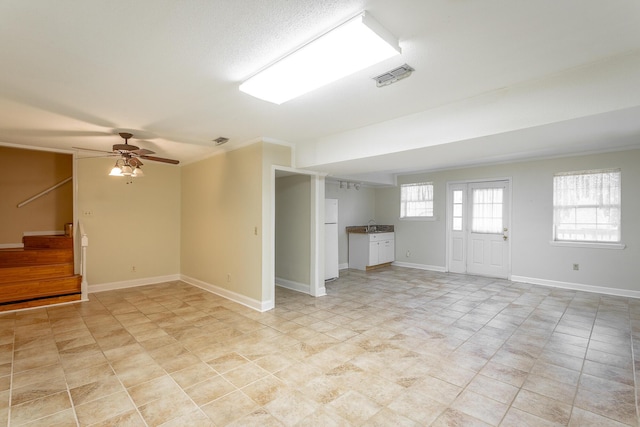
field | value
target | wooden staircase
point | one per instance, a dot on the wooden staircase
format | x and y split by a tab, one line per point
39	274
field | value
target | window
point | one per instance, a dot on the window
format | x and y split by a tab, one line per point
416	200
457	210
487	210
586	206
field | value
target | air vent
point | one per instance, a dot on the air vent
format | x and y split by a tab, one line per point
221	140
394	75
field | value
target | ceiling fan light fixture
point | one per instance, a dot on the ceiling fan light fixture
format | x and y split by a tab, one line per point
127	170
129	162
350	47
116	171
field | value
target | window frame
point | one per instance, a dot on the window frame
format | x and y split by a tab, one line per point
431	217
605	244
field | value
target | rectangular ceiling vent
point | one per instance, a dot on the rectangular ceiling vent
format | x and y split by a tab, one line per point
394	75
221	140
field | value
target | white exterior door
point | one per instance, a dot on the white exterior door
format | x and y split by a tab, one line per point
478	228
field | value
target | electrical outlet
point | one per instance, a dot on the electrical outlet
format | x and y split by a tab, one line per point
408	254
228	277
133	268
576	267
255	230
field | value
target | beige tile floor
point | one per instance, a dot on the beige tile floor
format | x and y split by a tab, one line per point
396	347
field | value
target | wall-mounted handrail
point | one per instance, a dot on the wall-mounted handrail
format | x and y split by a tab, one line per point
47	191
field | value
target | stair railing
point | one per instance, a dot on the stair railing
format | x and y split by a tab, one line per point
47	191
84	243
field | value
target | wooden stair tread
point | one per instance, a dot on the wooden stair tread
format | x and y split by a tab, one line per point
35	272
48	242
22	257
41	273
31	289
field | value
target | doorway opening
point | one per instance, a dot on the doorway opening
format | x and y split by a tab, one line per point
478	225
297	238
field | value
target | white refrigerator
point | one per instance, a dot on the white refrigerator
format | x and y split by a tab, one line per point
330	239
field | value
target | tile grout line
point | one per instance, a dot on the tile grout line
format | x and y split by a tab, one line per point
13	358
165	371
46	310
112	370
584	358
494	353
73	405
199	408
633	365
66	383
219	397
537	357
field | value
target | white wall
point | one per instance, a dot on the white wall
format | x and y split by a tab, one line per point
129	225
423	240
293	232
533	258
226	217
221	221
355	207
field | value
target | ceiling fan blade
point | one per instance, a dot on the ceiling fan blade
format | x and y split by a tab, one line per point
98	157
160	159
143	152
91	149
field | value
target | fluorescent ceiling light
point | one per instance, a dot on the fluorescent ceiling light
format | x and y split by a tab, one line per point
358	43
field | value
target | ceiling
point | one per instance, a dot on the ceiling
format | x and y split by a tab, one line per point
495	81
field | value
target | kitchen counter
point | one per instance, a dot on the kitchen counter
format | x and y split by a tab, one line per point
362	229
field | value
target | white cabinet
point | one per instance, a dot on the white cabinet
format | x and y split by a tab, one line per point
374	252
368	250
387	251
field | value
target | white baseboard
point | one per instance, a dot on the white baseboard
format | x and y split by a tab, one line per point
230	295
344	266
321	292
420	266
11	245
577	286
102	287
294	286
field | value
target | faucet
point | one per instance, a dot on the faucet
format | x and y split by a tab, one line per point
369	228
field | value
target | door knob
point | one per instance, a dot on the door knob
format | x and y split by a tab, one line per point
504	237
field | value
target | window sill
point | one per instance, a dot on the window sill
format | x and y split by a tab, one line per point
590	245
419	218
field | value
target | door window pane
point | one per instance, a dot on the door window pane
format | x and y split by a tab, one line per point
487	210
457	210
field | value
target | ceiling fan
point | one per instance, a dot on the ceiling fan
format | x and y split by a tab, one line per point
129	162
